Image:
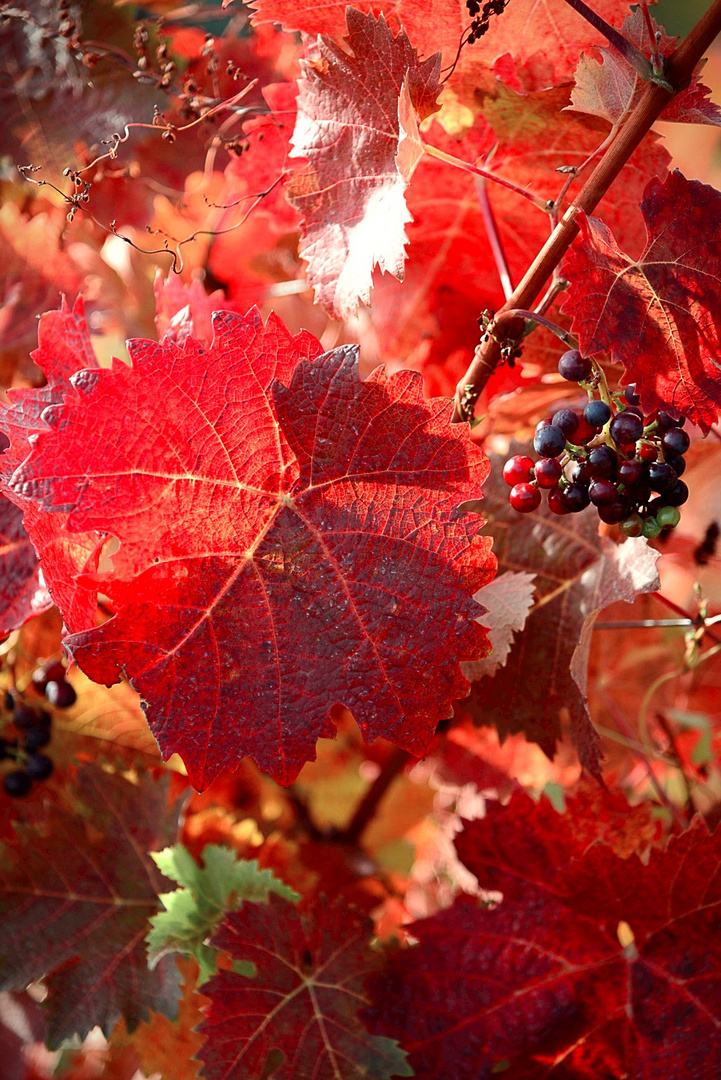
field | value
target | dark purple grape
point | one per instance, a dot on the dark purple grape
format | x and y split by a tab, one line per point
60	694
38	766
661	476
17	783
46	673
602	492
677	495
613	512
36	739
665	420
549	441
675	441
638	495
603	462
581	473
547	472
9	701
630	472
677	463
567	420
626	428
575	497
555	502
574	367
597	413
630	394
24	718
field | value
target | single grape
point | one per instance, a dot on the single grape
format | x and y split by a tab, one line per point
525	498
630	394
602	492
630	473
17	783
547	472
8	701
647	451
677	463
518	470
677	495
581	473
668	516
584	431
639	495
597	413
60	694
46	673
575	497
36	739
632	525
661	476
567	420
603	462
555	502
626	428
24	718
38	766
549	441
574	367
613	512
675	441
651	528
665	420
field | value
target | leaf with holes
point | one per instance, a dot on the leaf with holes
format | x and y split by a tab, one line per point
351	193
597	966
76	893
300	1010
290	540
22	594
657	315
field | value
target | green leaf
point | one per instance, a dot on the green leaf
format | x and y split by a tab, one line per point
206	894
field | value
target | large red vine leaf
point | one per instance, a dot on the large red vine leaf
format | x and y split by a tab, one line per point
351	194
304	1000
64	347
22	594
289	541
610	88
603	966
539	41
542	685
658	315
76	893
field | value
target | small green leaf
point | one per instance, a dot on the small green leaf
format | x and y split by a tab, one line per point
206	893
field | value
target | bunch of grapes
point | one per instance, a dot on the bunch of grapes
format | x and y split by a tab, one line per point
33	728
627	465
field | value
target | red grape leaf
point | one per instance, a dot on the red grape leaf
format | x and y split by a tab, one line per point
606	967
659	315
63	348
351	193
610	88
539	41
22	594
76	892
310	978
543	682
507	600
450	274
290	540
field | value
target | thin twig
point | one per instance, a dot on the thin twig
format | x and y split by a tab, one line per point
494	238
509	314
368	805
459	163
634	56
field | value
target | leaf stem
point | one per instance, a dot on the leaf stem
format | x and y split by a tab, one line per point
653	100
509	314
459	163
494	239
368	805
634	56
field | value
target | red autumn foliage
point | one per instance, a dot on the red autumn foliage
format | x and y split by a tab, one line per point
266	550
